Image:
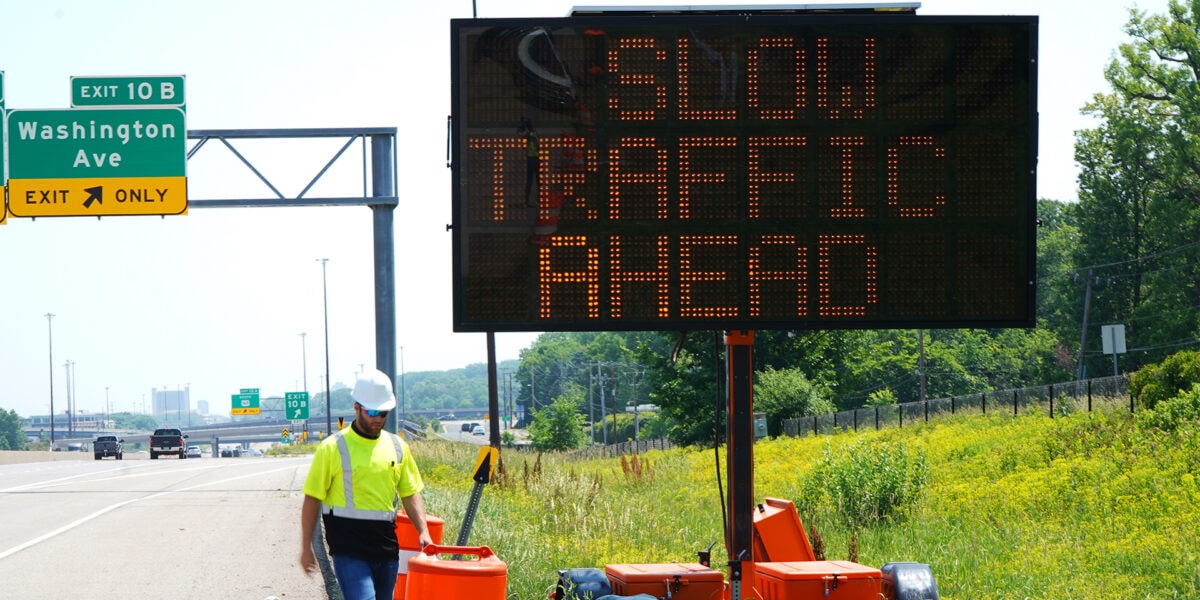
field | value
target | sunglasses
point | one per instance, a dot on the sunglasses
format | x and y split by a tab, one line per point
374	413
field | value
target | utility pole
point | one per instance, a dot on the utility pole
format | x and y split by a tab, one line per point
532	393
1081	373
613	377
603	409
921	359
591	407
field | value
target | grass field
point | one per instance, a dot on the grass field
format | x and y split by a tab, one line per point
1085	506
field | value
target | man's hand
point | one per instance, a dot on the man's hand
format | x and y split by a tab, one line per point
308	561
308	525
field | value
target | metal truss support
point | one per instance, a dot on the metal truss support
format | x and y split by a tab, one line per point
378	193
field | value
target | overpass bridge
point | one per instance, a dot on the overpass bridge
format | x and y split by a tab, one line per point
240	433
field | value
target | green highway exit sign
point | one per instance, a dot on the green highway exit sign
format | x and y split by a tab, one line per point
96	142
127	91
246	403
295	406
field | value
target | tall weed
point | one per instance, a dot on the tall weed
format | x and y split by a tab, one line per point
864	483
1087	506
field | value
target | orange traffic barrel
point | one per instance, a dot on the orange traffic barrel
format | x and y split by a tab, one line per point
483	577
410	544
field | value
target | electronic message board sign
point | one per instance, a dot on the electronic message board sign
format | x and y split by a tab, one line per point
756	171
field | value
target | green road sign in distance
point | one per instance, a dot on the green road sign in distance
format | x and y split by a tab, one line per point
245	400
127	91
97	142
245	403
295	405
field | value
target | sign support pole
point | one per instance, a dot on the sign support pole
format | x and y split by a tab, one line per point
739	461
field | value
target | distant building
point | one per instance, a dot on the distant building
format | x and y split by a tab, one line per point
172	408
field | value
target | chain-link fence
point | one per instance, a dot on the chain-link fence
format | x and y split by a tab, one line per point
1054	399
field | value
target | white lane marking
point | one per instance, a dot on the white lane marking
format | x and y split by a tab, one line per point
112	507
116	474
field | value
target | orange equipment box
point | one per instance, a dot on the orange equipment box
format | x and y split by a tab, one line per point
678	581
778	534
432	578
834	579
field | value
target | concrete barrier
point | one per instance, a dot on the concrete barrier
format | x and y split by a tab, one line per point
13	457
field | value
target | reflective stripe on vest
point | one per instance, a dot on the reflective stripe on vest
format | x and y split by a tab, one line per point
350	511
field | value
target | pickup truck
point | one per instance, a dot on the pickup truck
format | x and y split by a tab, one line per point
108	445
168	441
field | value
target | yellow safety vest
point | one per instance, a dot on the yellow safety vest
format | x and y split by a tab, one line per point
350	511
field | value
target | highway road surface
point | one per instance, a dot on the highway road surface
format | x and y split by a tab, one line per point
174	529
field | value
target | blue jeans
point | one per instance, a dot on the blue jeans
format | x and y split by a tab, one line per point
365	580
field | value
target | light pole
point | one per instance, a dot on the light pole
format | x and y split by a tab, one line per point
304	361
70	421
72	397
50	333
325	299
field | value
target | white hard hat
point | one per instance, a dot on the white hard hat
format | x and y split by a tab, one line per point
373	391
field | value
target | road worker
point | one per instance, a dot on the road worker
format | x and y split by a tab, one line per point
356	477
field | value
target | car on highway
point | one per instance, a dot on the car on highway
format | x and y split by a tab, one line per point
168	441
194	452
108	445
478	430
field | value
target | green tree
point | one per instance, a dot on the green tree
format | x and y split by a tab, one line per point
684	375
651	427
1139	212
1059	289
11	435
559	426
1156	383
553	361
787	393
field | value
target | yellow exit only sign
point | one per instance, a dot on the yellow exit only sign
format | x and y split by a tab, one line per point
97	197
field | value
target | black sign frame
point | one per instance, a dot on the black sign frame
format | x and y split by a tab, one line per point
627	173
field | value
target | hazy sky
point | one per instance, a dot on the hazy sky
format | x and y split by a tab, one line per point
216	300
